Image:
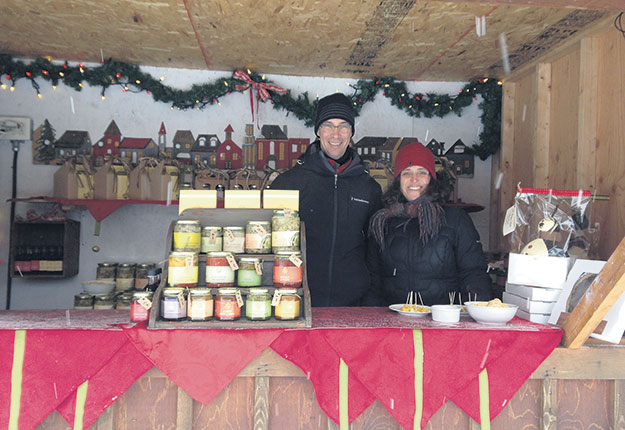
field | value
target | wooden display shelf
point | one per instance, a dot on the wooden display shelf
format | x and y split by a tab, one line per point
233	217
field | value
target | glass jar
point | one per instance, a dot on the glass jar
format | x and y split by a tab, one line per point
171	308
200	304
138	312
258	237
212	239
234	239
125	277
154	279
226	305
289	306
258	304
218	271
106	271
83	301
247	276
187	235
183	269
103	301
285	273
284	231
123	301
141	275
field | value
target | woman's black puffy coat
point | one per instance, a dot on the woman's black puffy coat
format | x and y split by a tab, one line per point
452	261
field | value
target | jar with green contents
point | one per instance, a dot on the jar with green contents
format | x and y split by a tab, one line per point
258	237
212	239
247	276
187	236
284	231
258	304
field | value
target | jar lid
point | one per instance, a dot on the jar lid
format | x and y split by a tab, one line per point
234	227
107	264
287	254
188	221
83	295
259	222
145	265
212	227
288	291
172	291
281	212
142	294
200	291
182	254
249	259
127	265
258	290
227	290
218	254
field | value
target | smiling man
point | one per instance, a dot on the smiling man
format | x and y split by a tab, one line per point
337	198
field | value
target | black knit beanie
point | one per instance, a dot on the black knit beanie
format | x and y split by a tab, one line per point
335	106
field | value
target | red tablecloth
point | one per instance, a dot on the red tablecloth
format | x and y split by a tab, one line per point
377	346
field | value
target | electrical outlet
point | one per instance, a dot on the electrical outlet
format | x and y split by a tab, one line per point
15	128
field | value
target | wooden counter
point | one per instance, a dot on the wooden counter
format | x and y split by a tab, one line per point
572	389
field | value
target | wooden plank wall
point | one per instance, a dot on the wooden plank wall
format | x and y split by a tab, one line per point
563	127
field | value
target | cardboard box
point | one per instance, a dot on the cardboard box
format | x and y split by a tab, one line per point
164	182
139	179
242	199
281	199
73	181
197	199
111	181
533	317
531	306
538	271
534	293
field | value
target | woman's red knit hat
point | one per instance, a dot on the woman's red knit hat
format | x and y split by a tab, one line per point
414	154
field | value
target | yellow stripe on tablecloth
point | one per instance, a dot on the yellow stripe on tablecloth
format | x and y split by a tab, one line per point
19	346
417	337
343	398
81	399
484	400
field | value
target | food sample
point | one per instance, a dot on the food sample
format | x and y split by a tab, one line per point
495	303
414	308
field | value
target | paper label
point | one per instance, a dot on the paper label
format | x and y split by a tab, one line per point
258	266
232	262
145	302
295	260
181	300
213	236
228	235
258	228
275	301
239	298
509	223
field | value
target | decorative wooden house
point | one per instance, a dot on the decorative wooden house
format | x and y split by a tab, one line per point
73	143
162	140
133	148
389	149
229	154
183	142
249	147
204	150
297	146
276	150
464	163
437	148
107	146
369	147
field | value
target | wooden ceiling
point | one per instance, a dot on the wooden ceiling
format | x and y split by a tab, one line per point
406	39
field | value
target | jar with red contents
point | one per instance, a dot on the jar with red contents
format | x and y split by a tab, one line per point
287	274
227	306
139	312
219	273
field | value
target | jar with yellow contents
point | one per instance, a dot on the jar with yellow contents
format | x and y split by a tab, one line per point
289	307
187	236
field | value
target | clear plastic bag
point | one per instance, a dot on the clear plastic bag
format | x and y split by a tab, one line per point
553	222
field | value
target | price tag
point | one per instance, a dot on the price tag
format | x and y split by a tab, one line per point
188	262
239	298
145	302
288	212
295	260
260	229
275	301
232	262
212	235
509	223
228	235
181	301
258	265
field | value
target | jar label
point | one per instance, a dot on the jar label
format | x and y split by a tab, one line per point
182	275
258	309
248	278
232	262
258	228
200	309
236	245
227	309
288	309
209	245
285	238
171	309
258	241
187	240
138	312
239	298
228	235
286	274
219	275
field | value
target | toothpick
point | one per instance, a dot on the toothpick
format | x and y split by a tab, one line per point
420	298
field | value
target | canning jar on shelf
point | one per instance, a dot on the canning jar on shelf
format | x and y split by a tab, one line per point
227	306
258	304
173	306
258	237
287	274
200	304
187	235
289	306
212	239
285	227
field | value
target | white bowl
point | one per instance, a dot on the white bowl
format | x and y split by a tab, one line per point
491	314
99	286
446	313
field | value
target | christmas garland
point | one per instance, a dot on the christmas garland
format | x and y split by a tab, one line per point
130	78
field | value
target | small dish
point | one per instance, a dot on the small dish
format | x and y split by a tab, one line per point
492	315
446	313
397	308
99	287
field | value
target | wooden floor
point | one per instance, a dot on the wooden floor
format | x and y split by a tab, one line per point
572	390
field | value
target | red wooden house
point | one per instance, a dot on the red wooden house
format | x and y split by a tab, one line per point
229	154
107	146
276	150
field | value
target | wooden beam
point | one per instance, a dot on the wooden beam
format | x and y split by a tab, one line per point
602	294
507	187
587	115
549	413
618	405
184	411
615	5
543	126
261	403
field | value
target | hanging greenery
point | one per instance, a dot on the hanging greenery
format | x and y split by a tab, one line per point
131	79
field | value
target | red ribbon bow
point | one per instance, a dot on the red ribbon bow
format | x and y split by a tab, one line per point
262	89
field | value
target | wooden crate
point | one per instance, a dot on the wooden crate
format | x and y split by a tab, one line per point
233	217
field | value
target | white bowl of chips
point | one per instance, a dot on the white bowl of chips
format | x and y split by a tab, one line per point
493	312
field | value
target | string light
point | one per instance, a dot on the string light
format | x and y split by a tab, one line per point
103	97
54	87
12	88
4	86
61	74
80	85
162	78
40	95
138	81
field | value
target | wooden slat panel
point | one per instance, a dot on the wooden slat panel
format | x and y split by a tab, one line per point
618	405
54	421
261	402
541	145
230	409
292	400
105	421
184	411
549	405
525	117
587	116
522	411
583	363
374	418
584	404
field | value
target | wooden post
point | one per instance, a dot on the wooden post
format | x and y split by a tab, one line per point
184	411
261	403
618	405
549	414
602	294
